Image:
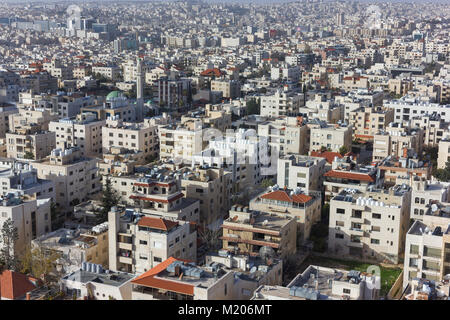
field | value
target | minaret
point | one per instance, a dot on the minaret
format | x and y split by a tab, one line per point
140	92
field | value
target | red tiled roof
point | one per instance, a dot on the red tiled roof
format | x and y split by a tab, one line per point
349	175
14	285
157	223
148	279
211	72
283	195
328	155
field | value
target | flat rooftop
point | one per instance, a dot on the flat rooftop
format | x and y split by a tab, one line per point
110	278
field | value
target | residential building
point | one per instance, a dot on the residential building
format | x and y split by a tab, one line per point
427	251
30	143
247	231
212	187
395	139
281	103
76	246
286	134
367	121
29	215
84	132
133	136
370	225
305	209
322	283
92	282
139	241
75	177
329	136
305	172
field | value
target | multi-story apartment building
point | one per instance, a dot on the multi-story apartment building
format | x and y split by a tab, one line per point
75	177
305	209
180	142
305	172
21	177
403	169
30	143
281	103
68	106
223	278
229	88
324	109
443	151
120	161
109	72
212	187
247	231
133	136
5	113
174	93
158	193
395	139
92	282
408	107
76	246
329	136
31	116
285	134
346	174
427	250
214	117
29	215
84	132
367	121
424	194
240	153
138	242
433	127
322	283
370	225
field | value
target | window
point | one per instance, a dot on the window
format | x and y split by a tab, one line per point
339	236
414	249
432	252
340	211
157	259
346	291
142	242
376	215
374	241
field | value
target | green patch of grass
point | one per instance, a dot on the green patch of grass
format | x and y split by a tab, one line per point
388	275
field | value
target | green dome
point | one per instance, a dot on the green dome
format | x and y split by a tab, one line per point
114	94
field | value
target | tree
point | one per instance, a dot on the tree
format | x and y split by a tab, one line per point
28	155
253	106
210	238
266	183
8	238
443	174
38	262
109	200
343	150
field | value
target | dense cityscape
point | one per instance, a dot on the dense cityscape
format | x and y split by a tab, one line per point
194	150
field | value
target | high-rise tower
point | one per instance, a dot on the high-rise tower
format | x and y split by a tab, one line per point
139	92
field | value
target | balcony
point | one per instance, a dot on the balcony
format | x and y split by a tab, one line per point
125	246
356	232
126	260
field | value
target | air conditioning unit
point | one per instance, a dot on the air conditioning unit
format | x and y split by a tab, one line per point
338	228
